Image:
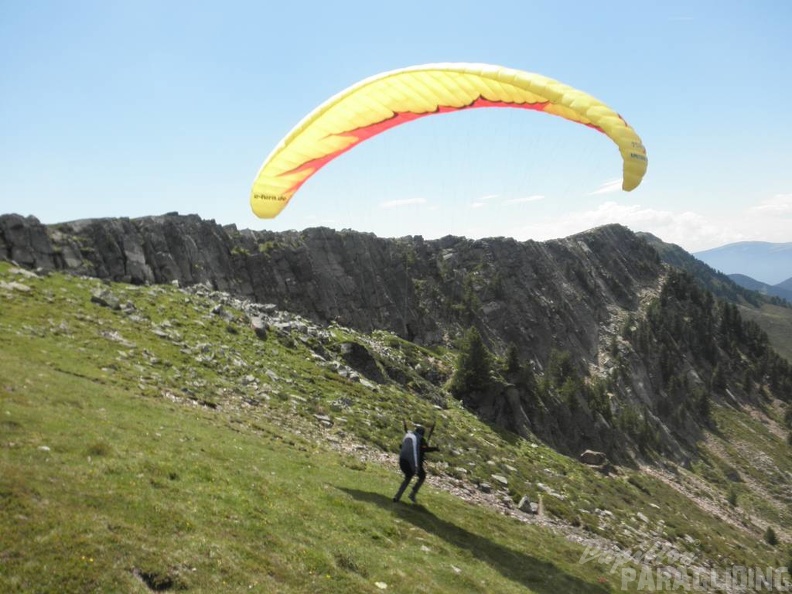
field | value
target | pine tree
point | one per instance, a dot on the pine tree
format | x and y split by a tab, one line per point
474	365
512	364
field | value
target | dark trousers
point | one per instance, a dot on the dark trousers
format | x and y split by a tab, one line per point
409	473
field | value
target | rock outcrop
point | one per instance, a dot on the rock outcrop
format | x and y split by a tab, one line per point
537	296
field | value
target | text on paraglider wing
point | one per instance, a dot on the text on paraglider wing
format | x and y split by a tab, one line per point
269	197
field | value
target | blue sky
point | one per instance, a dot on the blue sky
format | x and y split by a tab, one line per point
111	108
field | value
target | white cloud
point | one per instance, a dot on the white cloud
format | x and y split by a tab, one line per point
608	187
693	230
482	202
778	205
524	199
688	229
402	203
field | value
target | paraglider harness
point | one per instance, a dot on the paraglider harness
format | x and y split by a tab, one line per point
411	458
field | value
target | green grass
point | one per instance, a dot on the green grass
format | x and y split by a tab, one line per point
167	448
102	488
777	322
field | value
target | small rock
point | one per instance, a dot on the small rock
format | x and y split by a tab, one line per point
105	298
23	272
259	327
499	478
324	420
340	404
592	458
14	286
525	504
551	491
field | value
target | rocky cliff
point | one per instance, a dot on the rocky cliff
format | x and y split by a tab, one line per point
537	296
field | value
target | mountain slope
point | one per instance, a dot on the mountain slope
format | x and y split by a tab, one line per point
772	314
576	312
153	441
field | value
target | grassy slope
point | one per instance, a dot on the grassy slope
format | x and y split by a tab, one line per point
777	322
157	453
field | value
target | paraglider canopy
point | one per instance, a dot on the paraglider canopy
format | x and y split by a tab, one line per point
381	102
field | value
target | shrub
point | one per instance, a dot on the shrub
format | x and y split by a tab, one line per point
770	536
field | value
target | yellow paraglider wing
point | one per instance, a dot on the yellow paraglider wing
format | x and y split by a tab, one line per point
393	98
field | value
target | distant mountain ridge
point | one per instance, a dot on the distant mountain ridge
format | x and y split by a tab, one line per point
770	263
778	290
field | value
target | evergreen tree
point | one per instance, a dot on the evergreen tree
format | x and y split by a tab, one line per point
559	369
718	380
474	365
512	364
